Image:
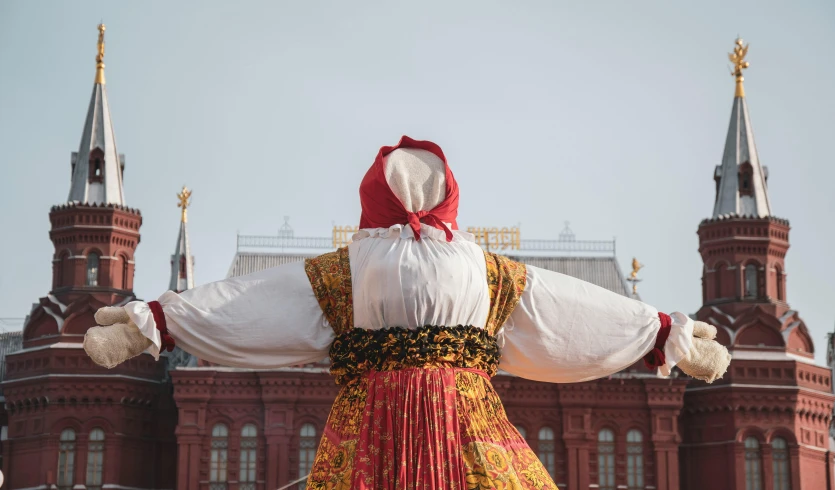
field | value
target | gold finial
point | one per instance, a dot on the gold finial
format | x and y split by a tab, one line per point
738	59
633	276
100	57
184	197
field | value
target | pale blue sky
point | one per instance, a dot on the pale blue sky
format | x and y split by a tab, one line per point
611	115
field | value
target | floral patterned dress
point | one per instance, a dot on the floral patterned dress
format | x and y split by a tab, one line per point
417	409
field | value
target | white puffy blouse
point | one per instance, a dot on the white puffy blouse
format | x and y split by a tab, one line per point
563	329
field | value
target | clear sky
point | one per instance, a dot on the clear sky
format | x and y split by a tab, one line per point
610	115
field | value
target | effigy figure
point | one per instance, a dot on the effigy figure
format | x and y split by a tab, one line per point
416	318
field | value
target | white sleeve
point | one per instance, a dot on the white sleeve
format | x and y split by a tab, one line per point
263	320
565	330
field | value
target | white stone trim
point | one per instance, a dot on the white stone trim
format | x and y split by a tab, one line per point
733	441
120	487
57	345
770	356
769	387
225	369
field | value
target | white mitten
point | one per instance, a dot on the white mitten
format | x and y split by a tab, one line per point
708	359
117	341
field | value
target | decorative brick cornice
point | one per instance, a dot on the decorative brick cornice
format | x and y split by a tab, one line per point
736	217
78	205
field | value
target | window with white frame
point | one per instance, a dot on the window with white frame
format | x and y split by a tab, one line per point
780	458
546	449
307	451
218	463
95	459
634	460
606	459
753	464
66	459
249	446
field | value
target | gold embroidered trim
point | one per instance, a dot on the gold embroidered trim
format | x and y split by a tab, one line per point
506	281
359	350
330	277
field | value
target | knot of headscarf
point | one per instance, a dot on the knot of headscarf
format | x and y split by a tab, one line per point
382	209
430	219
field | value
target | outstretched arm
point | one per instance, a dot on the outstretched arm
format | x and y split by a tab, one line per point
263	320
567	330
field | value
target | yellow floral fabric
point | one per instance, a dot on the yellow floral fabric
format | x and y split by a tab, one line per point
387	373
506	280
496	456
330	277
333	466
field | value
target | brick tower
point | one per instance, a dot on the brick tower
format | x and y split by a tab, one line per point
71	422
764	426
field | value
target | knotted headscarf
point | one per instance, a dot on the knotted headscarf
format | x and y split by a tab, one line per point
382	209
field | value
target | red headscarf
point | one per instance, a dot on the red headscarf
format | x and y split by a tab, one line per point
382	209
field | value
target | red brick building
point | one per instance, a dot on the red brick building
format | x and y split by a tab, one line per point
187	425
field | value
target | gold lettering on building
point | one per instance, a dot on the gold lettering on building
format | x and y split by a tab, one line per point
342	235
496	238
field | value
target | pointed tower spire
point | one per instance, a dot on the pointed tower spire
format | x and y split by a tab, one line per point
182	263
97	167
741	182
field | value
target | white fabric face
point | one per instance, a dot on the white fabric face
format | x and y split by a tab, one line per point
400	282
416	177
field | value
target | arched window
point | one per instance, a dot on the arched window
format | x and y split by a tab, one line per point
249	444
93	269
720	274
522	431
217	468
125	272
606	459
546	449
753	464
95	459
62	269
750	281
780	456
96	166
66	459
634	460
746	177
780	293
307	451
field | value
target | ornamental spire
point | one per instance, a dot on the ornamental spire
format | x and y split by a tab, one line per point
97	166
184	197
738	59
182	262
100	57
741	181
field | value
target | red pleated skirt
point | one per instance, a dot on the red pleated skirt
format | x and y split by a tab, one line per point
431	428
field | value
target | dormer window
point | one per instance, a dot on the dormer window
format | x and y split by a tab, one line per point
746	179
96	166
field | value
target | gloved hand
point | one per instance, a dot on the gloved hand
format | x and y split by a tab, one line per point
708	359
117	341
